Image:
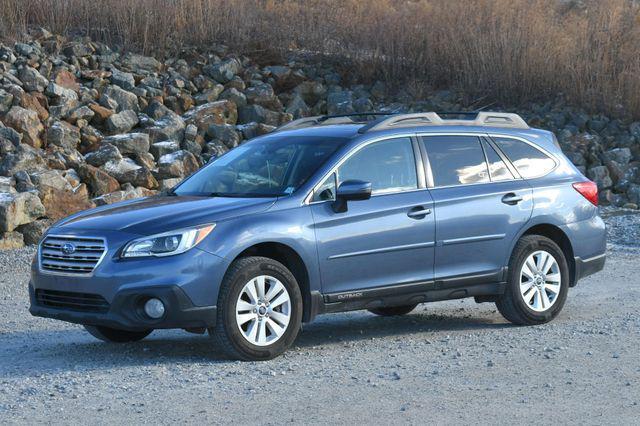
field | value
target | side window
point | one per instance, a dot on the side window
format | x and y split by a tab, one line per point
389	165
327	190
456	160
498	170
528	160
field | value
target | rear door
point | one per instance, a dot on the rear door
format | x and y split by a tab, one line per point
386	240
480	204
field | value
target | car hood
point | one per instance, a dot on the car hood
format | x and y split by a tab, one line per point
153	215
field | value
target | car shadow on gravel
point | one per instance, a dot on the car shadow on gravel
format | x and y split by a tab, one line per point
73	349
330	329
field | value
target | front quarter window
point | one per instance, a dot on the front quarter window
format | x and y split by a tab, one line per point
326	191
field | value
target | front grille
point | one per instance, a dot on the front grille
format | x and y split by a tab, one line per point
71	255
83	302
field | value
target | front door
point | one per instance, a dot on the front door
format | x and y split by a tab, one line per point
480	206
386	240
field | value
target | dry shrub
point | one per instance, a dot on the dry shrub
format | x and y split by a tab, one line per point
509	51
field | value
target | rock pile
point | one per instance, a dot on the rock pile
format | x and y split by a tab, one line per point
82	125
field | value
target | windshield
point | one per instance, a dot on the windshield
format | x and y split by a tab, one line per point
265	168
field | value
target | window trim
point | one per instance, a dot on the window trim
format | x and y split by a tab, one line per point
486	144
418	164
548	154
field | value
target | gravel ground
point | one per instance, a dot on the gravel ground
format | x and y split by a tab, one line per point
448	362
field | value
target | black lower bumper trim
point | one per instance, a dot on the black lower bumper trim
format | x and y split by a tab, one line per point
126	311
589	266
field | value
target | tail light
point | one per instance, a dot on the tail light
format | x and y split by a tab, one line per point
588	190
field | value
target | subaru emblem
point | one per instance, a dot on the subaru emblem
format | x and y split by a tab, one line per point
68	248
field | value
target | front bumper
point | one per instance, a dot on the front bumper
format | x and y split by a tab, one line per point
187	284
126	310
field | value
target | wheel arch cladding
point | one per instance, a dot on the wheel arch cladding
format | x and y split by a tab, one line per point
559	237
292	261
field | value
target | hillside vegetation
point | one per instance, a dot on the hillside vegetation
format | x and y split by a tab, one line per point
507	51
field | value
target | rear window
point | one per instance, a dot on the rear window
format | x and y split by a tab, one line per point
528	160
456	160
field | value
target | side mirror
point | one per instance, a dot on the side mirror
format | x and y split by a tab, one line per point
351	190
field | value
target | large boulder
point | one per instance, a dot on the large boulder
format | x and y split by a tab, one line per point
127	171
33	232
6	100
18	209
234	95
170	127
98	181
225	133
141	63
125	100
159	149
263	94
311	91
22	158
62	203
219	112
259	114
177	165
107	152
124	80
223	72
600	175
63	134
129	143
26	122
121	122
32	80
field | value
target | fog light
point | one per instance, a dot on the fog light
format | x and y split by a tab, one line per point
154	308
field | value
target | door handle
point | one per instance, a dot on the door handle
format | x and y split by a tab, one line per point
511	199
418	212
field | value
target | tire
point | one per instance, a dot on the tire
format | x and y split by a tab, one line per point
238	336
392	311
114	335
512	304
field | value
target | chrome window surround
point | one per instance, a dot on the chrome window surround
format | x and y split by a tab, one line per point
429	176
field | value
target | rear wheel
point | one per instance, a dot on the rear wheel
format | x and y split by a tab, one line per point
108	334
538	282
259	309
391	311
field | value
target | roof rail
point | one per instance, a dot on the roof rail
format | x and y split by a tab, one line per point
482	118
329	119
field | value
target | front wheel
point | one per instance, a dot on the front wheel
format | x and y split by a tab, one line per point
538	282
259	309
114	335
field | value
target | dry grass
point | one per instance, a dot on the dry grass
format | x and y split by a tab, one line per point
509	51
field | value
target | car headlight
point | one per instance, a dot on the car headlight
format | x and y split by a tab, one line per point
167	243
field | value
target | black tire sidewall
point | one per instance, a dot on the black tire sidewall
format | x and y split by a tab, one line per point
236	283
523	251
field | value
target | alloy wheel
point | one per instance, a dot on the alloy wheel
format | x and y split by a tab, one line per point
263	310
540	281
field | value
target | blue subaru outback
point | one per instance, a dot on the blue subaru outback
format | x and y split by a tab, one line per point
331	214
